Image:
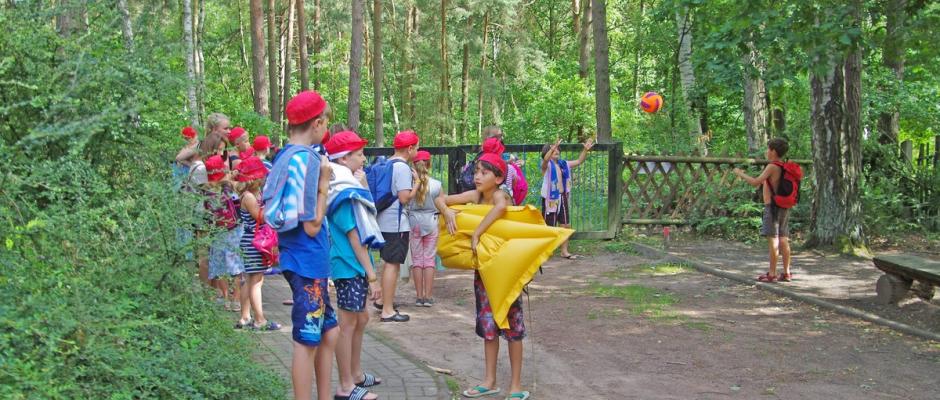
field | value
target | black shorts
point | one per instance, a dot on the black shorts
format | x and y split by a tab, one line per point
562	215
351	293
396	247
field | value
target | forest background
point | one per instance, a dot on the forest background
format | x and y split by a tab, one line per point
94	94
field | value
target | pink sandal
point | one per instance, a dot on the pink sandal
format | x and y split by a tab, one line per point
784	277
767	278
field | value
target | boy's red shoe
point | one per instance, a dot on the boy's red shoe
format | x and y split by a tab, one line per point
767	277
784	277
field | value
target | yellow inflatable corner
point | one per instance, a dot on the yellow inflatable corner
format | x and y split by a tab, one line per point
509	253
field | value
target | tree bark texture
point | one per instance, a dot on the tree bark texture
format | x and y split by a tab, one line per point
601	71
756	113
285	57
199	31
687	76
889	121
446	106
190	63
584	49
377	70
303	58
127	27
465	83
483	80
316	45
407	94
837	150
274	87
259	81
355	64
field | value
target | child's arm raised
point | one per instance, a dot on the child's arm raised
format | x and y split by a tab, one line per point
313	226
764	175
587	147
548	155
500	202
362	256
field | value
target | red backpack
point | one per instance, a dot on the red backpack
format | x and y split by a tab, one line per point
788	190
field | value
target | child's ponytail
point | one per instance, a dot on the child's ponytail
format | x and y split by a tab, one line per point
422	169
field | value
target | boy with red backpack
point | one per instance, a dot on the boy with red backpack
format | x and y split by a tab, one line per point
781	183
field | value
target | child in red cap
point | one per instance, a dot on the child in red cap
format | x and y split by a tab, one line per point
353	230
422	215
238	137
262	147
394	223
294	198
224	256
250	177
490	173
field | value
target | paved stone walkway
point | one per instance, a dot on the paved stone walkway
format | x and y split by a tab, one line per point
402	377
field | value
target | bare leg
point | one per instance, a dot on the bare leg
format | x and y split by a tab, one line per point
772	248
785	252
355	361
245	300
515	362
324	364
429	283
389	283
417	276
347	325
564	246
302	371
237	290
255	282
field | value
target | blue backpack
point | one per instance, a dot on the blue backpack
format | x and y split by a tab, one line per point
379	175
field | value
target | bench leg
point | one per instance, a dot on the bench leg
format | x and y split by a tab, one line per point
891	288
924	290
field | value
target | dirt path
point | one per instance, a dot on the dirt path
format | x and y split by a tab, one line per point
610	326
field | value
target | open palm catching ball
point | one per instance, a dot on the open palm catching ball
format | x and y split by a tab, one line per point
651	102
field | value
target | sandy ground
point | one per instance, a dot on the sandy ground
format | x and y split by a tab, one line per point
702	338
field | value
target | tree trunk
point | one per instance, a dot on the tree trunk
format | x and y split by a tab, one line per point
584	49
406	59
446	106
274	86
355	64
893	57
601	71
193	105
259	83
756	116
241	40
837	150
316	45
285	59
576	16
377	71
636	55
687	76
465	83
303	59
482	80
199	32
127	27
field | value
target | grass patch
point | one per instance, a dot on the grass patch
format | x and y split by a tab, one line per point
617	273
620	247
698	325
666	269
453	386
643	300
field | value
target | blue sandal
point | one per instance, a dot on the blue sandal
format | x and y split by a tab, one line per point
368	380
357	393
480	392
268	327
523	395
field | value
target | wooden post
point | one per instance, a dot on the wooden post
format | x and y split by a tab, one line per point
614	188
907	150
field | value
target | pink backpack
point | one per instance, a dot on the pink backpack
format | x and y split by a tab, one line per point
520	187
266	242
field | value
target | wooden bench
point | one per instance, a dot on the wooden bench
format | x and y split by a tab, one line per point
900	273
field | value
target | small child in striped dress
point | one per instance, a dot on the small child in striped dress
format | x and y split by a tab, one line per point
250	177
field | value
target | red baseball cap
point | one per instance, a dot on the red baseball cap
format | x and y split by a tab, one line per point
215	167
189	132
405	138
235	133
496	160
423	155
343	142
250	169
304	106
262	143
493	145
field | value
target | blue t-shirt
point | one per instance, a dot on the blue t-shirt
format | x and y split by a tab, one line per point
343	261
300	253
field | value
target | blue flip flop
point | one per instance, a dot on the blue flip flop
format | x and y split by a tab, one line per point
523	395
480	392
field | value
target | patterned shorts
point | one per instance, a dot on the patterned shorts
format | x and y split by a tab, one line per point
562	214
312	313
486	326
351	293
